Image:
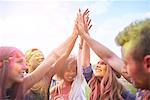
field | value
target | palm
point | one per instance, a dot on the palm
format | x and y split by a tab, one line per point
83	22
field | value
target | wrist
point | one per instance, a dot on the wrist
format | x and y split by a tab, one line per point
74	36
84	35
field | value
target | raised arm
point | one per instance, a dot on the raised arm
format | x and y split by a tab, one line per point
85	61
57	52
103	52
85	55
49	64
62	59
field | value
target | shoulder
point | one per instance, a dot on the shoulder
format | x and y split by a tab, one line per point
31	95
127	95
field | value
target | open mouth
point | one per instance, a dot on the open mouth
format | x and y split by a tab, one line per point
22	74
98	69
71	78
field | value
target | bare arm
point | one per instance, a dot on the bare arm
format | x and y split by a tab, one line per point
103	52
85	55
85	61
47	66
57	52
62	59
107	55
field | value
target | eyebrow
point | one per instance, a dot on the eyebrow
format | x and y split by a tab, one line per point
21	59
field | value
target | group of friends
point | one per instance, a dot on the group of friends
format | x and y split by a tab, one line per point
29	76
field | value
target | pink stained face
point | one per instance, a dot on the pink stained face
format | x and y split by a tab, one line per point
17	67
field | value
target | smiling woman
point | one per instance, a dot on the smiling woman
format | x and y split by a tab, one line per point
67	74
104	83
100	69
13	84
11	71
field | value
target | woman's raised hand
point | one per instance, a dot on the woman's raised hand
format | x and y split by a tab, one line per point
83	22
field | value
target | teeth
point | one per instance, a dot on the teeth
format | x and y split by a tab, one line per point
99	70
22	74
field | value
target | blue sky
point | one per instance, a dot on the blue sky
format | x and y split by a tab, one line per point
45	24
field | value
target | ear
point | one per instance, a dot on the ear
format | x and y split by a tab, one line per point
147	63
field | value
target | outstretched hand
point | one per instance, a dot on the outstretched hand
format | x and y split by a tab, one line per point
83	22
86	20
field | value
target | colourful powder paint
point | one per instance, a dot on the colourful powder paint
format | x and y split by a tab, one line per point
130	36
130	45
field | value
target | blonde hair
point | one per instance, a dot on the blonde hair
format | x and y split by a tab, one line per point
36	54
33	54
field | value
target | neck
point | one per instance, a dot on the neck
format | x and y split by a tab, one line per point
67	84
66	87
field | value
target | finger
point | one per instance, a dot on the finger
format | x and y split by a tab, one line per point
87	19
81	18
90	27
84	19
89	22
79	10
86	23
80	15
85	16
85	12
